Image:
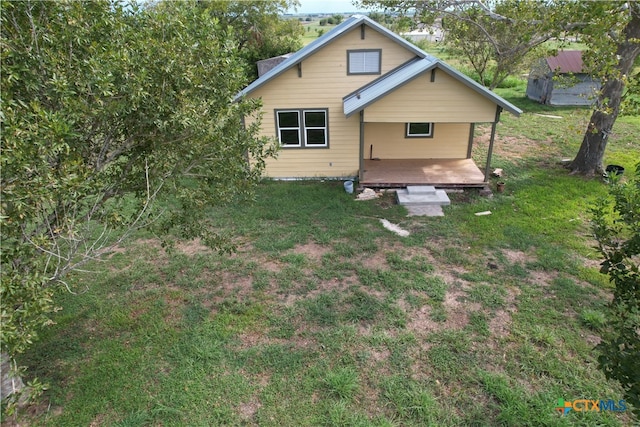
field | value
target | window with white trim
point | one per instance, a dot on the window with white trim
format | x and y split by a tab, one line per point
419	130
365	61
302	128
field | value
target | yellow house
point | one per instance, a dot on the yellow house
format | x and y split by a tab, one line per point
361	102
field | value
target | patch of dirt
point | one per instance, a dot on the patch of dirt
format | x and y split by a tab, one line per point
592	340
592	263
117	249
541	278
97	421
292	296
501	321
271	265
35	411
510	146
311	250
150	243
175	306
452	275
457	314
380	356
248	410
242	247
193	247
421	321
499	324
517	257
226	284
374	261
369	395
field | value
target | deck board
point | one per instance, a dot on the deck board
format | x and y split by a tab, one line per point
436	172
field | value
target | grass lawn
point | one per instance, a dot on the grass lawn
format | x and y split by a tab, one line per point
323	317
313	30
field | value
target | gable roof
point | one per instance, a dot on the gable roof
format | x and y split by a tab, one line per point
385	84
566	61
370	93
338	31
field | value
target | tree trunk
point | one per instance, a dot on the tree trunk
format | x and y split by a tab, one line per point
588	161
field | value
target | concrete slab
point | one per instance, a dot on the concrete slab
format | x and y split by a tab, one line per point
439	198
429	210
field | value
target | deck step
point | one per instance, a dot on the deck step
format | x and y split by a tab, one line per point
425	196
421	189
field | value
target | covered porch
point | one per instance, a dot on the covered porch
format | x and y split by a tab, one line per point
435	172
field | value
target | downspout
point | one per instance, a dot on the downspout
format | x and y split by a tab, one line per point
491	140
361	161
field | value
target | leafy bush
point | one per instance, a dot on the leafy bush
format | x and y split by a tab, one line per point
617	229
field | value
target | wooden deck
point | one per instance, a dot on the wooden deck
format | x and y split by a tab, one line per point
439	173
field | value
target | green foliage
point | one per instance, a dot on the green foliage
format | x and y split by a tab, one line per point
481	33
106	110
489	44
258	31
617	229
631	100
594	319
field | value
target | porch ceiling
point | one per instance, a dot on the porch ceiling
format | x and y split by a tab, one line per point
436	172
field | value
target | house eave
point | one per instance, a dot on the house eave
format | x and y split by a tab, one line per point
319	43
421	69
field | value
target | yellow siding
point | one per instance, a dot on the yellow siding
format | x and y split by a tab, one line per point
444	100
450	141
323	84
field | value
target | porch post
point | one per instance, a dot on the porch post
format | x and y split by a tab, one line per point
472	130
493	136
361	161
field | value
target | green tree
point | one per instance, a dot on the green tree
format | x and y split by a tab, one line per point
379	17
258	30
483	36
616	226
109	116
489	44
612	32
337	19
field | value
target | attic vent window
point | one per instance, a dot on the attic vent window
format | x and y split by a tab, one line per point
366	61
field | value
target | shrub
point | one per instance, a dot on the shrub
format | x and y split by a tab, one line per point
616	226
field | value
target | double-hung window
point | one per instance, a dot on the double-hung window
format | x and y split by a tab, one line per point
419	130
302	128
364	61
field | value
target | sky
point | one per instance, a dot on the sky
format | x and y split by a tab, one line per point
326	6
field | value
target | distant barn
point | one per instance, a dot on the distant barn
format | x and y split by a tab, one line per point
561	80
